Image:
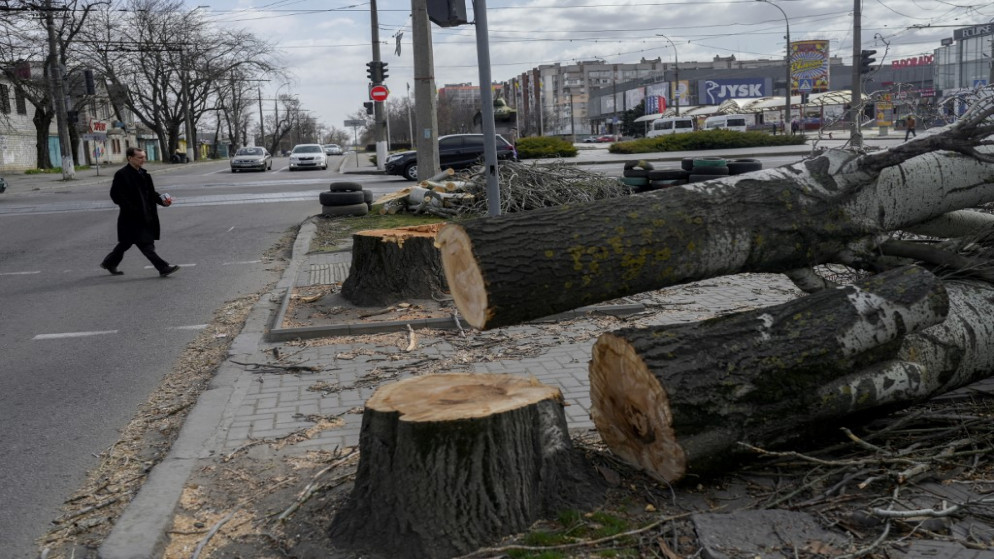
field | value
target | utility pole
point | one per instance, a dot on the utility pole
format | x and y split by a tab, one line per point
424	91
856	102
487	107
188	105
58	96
379	117
262	130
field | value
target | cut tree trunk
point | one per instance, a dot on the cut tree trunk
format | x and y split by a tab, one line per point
452	462
393	265
772	220
677	400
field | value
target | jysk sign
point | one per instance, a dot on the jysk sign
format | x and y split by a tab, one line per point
715	92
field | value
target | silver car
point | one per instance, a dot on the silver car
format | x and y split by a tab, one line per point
332	149
308	156
251	159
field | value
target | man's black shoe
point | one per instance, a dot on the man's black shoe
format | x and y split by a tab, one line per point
112	269
168	271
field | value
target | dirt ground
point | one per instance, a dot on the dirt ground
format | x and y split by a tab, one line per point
272	499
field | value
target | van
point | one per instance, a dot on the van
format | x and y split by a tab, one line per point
671	125
738	123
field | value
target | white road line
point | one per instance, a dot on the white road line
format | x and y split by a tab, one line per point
19	273
190	327
72	335
241	262
232	228
149	267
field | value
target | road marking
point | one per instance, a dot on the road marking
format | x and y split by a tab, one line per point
72	335
241	262
190	327
230	229
180	265
19	273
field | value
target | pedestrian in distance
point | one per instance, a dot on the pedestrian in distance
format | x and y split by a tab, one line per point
138	220
794	126
909	127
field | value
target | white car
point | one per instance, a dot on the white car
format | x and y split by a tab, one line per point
308	156
332	149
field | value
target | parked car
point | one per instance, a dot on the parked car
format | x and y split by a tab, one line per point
332	149
308	156
457	151
671	125
251	159
737	123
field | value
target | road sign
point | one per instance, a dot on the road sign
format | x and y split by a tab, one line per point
355	123
379	93
95	136
805	86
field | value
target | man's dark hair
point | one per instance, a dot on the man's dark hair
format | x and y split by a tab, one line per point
130	152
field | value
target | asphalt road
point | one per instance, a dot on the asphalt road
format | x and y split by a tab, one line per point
82	349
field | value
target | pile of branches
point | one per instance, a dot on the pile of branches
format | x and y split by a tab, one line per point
527	187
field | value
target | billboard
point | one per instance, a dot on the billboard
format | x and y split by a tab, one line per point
716	92
809	66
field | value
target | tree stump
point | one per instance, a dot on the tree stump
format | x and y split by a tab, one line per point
451	462
393	265
677	399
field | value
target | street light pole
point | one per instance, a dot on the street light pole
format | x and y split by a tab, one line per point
786	107
676	75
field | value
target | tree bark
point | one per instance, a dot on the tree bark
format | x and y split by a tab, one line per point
452	462
676	400
773	220
392	265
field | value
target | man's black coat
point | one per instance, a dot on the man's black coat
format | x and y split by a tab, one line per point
134	192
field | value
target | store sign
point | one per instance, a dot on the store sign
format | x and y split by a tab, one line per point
715	92
975	31
913	61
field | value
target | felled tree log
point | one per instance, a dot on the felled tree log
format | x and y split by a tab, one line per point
774	220
677	399
452	462
393	265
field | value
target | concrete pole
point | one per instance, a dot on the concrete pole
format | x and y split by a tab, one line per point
188	105
487	108
425	114
262	130
59	97
379	116
856	102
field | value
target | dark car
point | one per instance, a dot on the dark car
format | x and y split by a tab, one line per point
457	151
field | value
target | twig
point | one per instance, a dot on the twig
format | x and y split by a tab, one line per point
413	339
86	510
860	462
214	529
312	487
271	367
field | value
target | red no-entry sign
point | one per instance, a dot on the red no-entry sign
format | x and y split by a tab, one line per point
379	93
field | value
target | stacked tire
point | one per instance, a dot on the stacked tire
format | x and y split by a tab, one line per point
665	178
345	199
636	175
707	168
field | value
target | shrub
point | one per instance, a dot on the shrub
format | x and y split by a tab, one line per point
534	147
707	139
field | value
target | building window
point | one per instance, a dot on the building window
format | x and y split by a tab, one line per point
19	101
4	99
115	146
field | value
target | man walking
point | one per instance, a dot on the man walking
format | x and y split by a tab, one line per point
138	221
909	127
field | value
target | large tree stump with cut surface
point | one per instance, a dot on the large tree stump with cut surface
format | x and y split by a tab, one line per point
452	462
676	400
393	265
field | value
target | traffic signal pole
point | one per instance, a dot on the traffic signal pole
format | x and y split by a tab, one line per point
379	113
856	102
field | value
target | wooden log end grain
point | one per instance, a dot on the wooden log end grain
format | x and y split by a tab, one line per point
631	410
463	274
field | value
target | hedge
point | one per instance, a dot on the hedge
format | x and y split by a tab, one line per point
535	147
705	140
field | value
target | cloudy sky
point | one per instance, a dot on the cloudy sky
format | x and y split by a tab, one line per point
326	43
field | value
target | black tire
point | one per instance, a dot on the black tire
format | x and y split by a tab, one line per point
631	164
234	170
668	174
345	187
367	197
710	162
636	173
739	166
687	164
411	171
350	210
341	198
717	171
700	178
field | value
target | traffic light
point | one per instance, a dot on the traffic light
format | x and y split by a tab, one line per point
865	61
383	72
374	71
369	107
